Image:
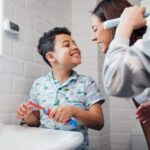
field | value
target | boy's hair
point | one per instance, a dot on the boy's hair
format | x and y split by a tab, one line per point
47	41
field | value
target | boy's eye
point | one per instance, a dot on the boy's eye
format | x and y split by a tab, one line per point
74	43
66	45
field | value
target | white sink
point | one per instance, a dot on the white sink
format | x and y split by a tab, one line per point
14	137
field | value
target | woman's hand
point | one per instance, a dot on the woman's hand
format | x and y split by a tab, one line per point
61	113
24	110
133	17
143	112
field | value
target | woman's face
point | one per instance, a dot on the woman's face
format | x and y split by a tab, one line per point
100	35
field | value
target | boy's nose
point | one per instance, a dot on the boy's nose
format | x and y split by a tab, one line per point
75	47
94	38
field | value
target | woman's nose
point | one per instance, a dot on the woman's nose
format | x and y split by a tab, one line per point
94	38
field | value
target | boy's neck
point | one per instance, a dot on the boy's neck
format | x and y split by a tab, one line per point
61	75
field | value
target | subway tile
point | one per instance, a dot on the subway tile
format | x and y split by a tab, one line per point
11	65
24	18
10	102
22	85
32	70
5	83
34	8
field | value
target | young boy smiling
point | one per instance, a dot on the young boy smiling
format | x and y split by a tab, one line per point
67	93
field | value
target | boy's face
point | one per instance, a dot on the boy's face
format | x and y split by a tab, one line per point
66	52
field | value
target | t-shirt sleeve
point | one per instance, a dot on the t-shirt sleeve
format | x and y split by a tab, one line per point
93	94
33	95
143	97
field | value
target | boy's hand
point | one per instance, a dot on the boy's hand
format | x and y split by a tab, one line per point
143	112
24	110
61	113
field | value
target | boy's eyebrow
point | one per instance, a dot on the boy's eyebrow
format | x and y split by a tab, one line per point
74	41
65	41
68	41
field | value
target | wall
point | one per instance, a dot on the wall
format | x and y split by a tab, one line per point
21	63
82	33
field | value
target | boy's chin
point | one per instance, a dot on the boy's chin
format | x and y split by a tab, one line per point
77	62
75	65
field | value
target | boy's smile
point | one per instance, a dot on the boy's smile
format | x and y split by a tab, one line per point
76	53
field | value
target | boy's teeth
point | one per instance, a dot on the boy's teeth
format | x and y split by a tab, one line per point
75	54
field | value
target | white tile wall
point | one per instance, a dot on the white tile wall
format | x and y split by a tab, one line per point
6	83
21	63
82	33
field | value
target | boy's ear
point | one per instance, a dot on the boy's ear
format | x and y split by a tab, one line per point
50	57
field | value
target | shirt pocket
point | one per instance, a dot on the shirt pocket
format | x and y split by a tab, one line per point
75	98
47	99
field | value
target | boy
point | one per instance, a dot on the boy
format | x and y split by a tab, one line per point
63	90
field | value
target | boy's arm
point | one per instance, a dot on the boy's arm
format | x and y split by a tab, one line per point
26	112
33	119
92	118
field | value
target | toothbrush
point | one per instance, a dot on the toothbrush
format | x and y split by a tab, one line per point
47	112
114	22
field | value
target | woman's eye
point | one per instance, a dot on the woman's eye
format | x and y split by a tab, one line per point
94	30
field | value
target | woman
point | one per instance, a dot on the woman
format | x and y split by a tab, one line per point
106	10
124	79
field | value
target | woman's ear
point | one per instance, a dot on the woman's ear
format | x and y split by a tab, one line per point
50	57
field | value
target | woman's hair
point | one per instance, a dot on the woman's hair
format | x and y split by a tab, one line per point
110	9
47	41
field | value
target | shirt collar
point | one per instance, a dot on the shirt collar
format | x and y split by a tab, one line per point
72	77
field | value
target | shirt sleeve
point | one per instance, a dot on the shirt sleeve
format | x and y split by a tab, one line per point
33	95
93	94
143	97
126	69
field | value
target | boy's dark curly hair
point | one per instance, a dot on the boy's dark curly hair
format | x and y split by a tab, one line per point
46	42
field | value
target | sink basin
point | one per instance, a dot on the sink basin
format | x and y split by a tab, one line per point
13	137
